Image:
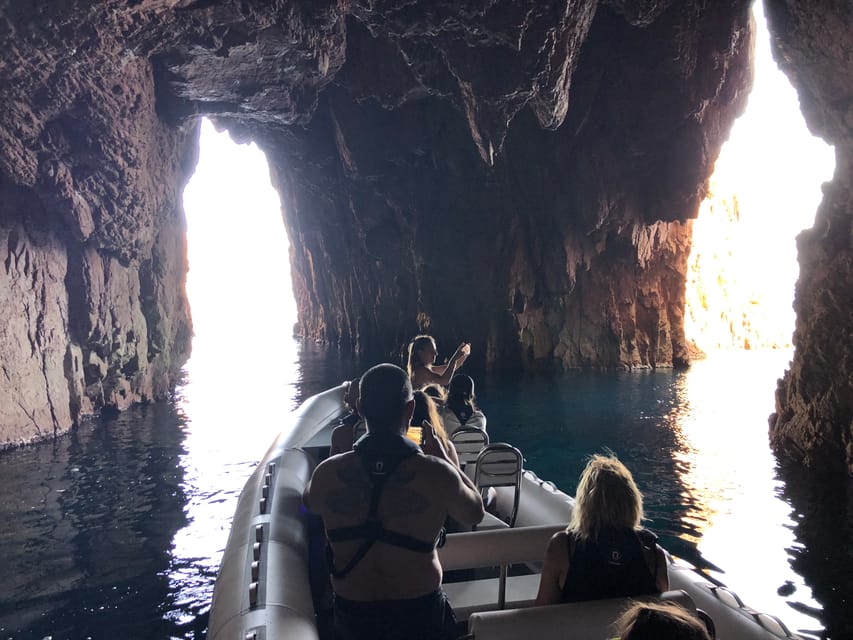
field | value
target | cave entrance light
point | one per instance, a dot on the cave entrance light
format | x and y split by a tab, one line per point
240	382
765	189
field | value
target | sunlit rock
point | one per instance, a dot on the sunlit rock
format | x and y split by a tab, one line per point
519	174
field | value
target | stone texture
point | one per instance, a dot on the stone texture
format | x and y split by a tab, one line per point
517	173
92	300
813	423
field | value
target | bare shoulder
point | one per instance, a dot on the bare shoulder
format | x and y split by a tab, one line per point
434	469
557	543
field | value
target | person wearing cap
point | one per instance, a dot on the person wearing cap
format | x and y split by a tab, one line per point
384	506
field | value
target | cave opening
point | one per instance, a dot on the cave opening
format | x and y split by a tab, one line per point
765	189
238	285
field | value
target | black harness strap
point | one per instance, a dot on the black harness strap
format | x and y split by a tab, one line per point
372	530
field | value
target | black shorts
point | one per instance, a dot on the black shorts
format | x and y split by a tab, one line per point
429	617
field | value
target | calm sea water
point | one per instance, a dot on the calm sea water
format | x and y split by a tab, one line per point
116	530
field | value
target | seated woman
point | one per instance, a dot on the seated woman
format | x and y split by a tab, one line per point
425	411
460	408
651	621
603	553
422	368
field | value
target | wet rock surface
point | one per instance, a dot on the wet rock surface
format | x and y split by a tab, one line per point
517	174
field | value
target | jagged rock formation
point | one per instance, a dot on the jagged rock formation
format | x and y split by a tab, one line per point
515	173
813	423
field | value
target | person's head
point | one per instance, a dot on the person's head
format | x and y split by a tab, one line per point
460	396
422	351
461	387
657	621
436	392
385	399
351	395
606	497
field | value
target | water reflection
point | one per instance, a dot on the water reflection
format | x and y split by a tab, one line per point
696	442
86	529
117	531
823	548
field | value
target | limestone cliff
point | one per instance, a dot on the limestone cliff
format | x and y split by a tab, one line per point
517	173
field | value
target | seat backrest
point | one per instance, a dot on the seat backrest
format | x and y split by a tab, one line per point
500	465
468	442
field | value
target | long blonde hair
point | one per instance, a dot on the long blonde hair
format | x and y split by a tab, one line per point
415	347
606	498
425	409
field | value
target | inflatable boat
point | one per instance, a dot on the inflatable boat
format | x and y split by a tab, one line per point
273	584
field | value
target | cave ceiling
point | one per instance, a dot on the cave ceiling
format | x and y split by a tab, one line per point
518	173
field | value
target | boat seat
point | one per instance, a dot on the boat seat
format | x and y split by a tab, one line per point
494	548
473	596
500	465
468	442
591	620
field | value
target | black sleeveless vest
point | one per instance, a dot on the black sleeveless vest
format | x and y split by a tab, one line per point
612	566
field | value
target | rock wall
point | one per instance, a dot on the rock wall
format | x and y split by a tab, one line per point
542	247
517	173
813	423
92	247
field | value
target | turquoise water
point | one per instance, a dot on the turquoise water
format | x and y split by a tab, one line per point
117	529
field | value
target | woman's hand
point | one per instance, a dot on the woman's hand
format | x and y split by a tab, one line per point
462	352
433	446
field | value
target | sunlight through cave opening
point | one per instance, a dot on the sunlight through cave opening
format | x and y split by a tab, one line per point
239	285
765	189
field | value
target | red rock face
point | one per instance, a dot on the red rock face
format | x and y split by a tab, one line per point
519	174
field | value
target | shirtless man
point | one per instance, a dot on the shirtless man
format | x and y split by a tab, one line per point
385	569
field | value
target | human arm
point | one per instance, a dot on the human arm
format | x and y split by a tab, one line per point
554	567
661	574
464	502
442	374
433	445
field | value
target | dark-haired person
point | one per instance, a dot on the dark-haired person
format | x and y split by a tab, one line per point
384	505
603	553
421	362
657	621
460	407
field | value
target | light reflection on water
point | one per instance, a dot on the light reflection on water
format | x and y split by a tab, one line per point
124	531
697	443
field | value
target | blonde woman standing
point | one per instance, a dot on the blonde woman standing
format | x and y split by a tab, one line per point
604	552
421	362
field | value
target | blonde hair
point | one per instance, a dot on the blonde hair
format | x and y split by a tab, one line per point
606	498
648	621
415	346
425	409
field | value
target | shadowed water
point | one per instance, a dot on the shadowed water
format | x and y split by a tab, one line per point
116	530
